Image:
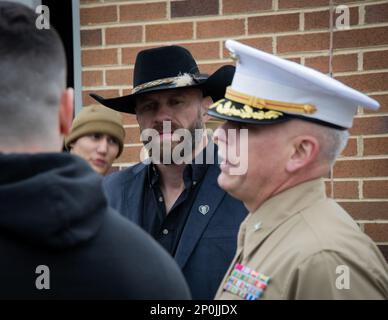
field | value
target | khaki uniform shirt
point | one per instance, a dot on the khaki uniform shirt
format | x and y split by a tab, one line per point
309	247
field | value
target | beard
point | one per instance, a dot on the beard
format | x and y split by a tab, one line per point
170	143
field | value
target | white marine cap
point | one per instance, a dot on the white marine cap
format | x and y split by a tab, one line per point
267	89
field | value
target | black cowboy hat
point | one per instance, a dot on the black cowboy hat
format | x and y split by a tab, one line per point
166	68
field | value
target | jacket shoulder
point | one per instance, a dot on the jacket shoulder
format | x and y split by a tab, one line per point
124	176
132	260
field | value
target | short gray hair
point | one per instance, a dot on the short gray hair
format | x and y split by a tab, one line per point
332	143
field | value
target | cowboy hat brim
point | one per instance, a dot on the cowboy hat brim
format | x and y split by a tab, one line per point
213	86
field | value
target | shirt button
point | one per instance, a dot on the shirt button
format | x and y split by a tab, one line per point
160	199
165	231
194	183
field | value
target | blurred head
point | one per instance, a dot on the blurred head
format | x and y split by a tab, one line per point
97	135
36	109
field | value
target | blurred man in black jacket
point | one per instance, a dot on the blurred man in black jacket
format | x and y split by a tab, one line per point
58	237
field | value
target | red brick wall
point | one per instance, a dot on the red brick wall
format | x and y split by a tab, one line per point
112	32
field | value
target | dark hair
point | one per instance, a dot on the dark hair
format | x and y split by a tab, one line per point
33	72
19	35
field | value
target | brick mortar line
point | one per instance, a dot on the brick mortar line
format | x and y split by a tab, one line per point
315	53
379	221
104	4
356	179
133	145
301	22
209	61
94	68
350	73
108	88
103	78
131	66
274	10
246	36
384	135
103	37
275	5
188	41
360	146
345	51
168	10
287	55
322	8
378	92
128	126
120	56
360	61
110	67
360	185
143	34
305	54
308	54
274	45
373	200
362	200
372	115
374	157
213	18
361	14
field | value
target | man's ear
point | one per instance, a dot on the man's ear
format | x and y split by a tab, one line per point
206	103
305	151
66	111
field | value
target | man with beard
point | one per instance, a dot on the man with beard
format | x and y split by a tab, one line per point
174	196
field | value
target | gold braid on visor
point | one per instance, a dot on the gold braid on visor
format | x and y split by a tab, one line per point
260	103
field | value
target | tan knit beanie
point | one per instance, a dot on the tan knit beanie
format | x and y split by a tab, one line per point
97	119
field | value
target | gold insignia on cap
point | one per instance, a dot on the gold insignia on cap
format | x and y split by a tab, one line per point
246	112
259	103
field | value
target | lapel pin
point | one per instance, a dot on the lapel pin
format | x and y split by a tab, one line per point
257	226
203	209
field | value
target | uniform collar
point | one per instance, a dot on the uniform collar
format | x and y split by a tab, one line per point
275	211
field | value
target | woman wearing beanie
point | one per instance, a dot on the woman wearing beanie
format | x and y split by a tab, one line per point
97	135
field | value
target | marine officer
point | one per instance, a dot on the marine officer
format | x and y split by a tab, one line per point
295	243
